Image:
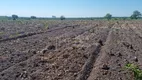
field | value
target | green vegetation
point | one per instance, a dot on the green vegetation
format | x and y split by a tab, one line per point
14	17
136	14
108	16
33	17
46	25
135	69
1	33
62	18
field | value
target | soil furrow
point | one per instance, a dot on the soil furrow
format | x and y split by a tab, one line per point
29	34
18	63
88	66
113	56
21	36
41	49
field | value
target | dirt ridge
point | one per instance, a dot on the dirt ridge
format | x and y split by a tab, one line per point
21	36
88	66
38	52
29	34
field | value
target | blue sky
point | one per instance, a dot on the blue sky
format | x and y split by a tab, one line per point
69	8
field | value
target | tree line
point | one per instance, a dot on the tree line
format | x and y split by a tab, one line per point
15	17
136	15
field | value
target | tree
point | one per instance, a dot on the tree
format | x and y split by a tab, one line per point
33	17
108	16
136	14
14	17
62	18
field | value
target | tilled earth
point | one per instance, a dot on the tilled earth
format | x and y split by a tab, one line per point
70	50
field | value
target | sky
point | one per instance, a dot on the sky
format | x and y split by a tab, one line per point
69	8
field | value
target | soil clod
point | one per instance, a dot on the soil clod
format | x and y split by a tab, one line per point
105	67
51	47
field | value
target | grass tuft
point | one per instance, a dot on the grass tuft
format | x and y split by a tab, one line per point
135	69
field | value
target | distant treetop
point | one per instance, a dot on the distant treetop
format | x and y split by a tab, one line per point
108	16
14	17
136	14
33	17
62	18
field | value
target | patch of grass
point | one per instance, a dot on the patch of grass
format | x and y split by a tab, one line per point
46	25
135	69
1	33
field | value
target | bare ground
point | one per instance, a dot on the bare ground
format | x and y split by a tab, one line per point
70	50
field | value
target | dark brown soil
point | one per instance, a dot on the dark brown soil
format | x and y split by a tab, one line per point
69	50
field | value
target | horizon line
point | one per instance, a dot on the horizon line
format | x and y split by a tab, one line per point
60	16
